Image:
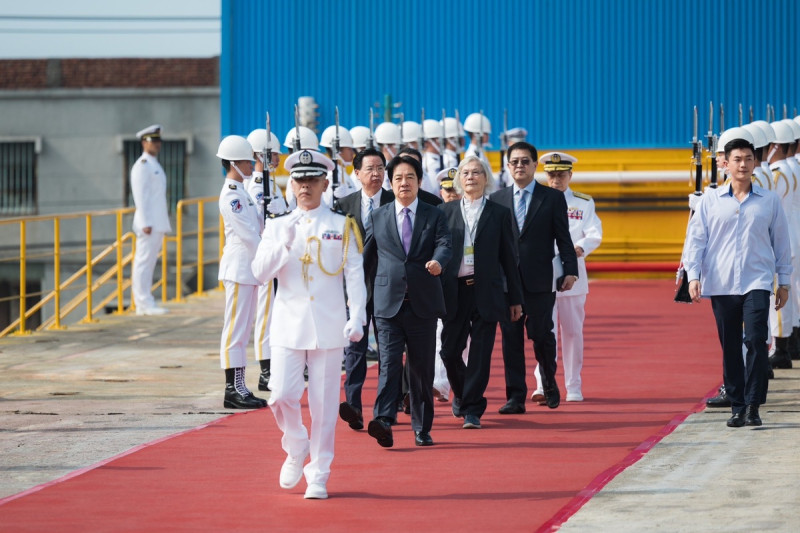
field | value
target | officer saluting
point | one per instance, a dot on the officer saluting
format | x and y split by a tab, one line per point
312	251
243	227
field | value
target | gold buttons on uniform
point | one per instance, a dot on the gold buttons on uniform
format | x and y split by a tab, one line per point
311	298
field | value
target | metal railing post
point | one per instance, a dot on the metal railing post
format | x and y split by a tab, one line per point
120	278
163	284
57	272
179	252
89	315
22	277
200	250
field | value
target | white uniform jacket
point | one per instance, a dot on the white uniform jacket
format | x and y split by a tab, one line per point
586	231
243	227
255	188
309	311
149	190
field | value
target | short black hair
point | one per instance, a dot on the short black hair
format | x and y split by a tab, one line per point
528	147
226	165
739	144
367	152
407	159
410	150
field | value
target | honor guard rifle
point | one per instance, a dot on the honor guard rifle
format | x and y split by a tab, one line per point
501	178
750	114
296	143
266	154
721	118
479	144
442	142
422	130
402	119
335	152
785	112
682	278
741	116
459	138
711	140
371	138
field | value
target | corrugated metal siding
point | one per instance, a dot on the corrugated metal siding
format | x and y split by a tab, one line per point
575	73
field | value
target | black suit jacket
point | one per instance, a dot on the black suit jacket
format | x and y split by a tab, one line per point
545	223
396	273
495	256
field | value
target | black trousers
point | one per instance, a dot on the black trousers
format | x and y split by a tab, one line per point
406	330
469	381
744	317
355	363
537	319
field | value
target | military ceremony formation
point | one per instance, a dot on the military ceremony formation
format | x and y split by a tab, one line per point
399	243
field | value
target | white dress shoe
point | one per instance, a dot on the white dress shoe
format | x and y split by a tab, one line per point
574	397
292	471
316	491
151	311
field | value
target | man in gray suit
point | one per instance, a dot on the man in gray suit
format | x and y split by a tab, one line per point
407	245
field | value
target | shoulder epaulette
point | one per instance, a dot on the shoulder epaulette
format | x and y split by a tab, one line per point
232	186
278	215
581	195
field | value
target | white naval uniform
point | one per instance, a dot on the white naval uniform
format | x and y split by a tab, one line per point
149	190
784	184
793	216
431	164
243	226
345	183
266	291
450	158
308	326
587	232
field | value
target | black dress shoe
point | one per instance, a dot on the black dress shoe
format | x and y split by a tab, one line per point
423	438
780	360
736	421
751	417
263	380
552	397
720	400
407	404
235	400
457	407
512	407
371	355
351	415
380	429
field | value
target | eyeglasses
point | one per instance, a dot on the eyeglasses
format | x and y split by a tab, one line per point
468	173
369	170
520	162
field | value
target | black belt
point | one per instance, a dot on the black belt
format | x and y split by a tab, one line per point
466	281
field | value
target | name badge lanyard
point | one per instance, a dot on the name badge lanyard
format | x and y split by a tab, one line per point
469	248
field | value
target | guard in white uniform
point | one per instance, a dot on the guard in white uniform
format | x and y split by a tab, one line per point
276	204
454	141
311	251
343	159
587	233
479	128
243	227
151	219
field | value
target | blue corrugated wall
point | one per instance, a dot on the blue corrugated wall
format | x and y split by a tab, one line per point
575	73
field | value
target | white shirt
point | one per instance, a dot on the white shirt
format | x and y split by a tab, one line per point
376	203
471	213
400	216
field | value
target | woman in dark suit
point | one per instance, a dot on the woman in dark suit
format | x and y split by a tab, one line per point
484	255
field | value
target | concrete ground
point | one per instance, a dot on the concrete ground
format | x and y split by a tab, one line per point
70	399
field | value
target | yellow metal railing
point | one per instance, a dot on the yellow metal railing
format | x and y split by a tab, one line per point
103	267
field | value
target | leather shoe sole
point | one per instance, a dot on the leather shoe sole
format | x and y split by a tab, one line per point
512	408
423	439
351	415
382	432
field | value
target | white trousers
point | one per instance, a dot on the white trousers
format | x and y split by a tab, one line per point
568	313
324	385
440	381
148	248
266	298
240	308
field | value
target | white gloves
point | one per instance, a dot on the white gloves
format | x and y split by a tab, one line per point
289	231
694	201
353	330
340	192
277	206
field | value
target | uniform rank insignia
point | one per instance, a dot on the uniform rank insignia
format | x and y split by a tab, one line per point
232	186
258	180
331	235
259	196
236	206
575	213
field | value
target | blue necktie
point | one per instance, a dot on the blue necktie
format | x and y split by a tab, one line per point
368	220
406	229
521	208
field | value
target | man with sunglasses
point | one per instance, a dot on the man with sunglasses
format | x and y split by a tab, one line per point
540	226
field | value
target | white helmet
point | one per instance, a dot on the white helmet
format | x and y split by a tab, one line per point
766	129
308	139
412	131
258	140
783	133
433	129
759	139
794	126
797	119
452	128
477	123
733	133
387	133
360	135
345	139
235	148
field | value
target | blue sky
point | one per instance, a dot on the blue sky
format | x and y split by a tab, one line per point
111	28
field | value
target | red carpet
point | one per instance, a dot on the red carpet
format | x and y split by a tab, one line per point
649	363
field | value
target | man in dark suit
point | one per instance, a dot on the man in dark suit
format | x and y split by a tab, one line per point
408	244
484	253
541	223
369	166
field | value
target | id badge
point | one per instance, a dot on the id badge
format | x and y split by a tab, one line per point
469	255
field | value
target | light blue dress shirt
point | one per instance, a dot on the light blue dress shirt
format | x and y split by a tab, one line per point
734	248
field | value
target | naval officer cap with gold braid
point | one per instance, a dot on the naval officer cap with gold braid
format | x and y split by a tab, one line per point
308	164
150	133
447	177
557	161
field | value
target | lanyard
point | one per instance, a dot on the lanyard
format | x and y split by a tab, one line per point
472	229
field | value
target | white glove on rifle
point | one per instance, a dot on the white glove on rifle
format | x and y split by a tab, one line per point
353	330
277	206
694	201
340	192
